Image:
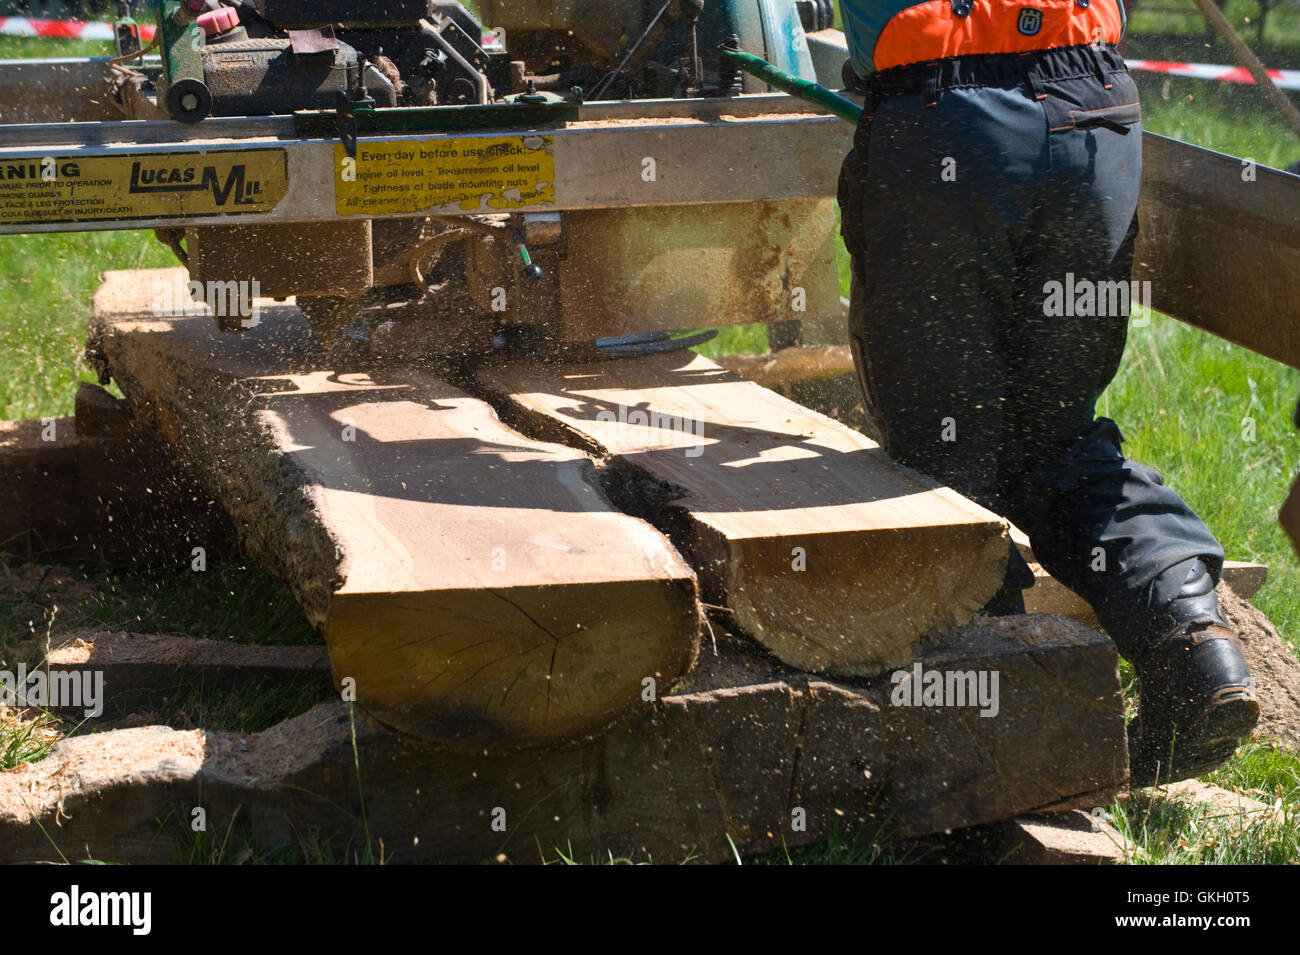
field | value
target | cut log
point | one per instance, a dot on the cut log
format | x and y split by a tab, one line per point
474	586
829	554
746	756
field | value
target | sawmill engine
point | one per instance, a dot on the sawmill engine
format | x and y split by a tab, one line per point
458	280
271	56
265	57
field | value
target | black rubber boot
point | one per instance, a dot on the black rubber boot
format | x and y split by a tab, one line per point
1009	601
1198	698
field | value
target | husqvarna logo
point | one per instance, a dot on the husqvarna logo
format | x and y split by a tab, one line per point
1031	20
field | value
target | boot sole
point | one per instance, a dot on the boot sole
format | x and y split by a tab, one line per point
1209	743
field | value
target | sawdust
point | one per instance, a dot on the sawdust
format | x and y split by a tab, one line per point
85	765
47	581
267	759
1220	801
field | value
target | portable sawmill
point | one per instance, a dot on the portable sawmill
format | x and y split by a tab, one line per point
531	177
552	172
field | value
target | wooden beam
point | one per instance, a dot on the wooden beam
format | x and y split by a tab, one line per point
1066	838
826	552
1049	595
747	755
139	671
1289	515
474	586
1219	241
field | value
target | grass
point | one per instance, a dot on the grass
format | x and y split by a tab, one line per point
1214	418
1176	30
1224	117
1166	831
48	282
26	736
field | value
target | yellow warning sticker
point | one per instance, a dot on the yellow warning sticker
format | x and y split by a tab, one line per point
47	189
478	174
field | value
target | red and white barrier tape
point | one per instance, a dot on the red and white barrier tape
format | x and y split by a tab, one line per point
25	26
71	29
1285	79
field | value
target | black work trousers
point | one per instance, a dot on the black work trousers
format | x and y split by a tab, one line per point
983	199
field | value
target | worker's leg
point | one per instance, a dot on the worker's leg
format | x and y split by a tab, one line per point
937	342
1107	527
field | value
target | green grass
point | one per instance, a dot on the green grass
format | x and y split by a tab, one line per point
1163	831
26	737
1215	419
1176	30
47	285
1221	116
249	708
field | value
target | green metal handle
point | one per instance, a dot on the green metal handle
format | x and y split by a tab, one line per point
815	93
182	41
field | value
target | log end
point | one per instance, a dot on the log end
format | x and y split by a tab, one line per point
513	668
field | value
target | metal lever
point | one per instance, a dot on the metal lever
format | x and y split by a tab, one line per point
649	343
532	272
347	122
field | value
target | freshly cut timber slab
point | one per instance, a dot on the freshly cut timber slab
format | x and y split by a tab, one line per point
746	755
473	585
1219	241
829	554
